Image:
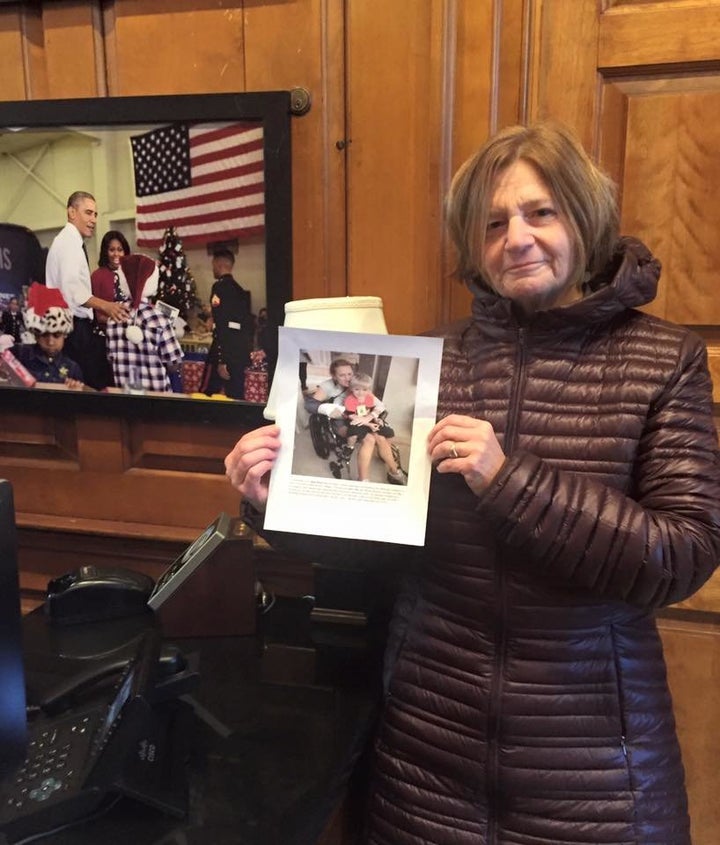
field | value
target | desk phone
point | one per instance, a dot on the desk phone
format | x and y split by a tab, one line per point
74	758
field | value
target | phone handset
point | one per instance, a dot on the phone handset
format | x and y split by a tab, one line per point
171	664
63	695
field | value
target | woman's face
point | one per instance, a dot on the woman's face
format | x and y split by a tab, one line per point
528	253
342	375
115	252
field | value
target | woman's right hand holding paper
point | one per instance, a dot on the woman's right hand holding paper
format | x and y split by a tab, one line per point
248	465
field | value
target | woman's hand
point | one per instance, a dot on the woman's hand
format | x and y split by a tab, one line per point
248	465
468	446
74	384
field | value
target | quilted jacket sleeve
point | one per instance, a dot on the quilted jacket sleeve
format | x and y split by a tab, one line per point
654	547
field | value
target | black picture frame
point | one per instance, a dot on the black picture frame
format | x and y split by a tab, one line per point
272	109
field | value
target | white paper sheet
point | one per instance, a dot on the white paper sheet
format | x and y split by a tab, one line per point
304	495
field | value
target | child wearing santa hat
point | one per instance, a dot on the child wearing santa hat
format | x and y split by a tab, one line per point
144	350
49	318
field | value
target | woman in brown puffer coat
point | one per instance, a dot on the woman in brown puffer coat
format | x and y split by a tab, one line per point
577	489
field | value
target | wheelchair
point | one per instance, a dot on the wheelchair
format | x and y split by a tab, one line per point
328	443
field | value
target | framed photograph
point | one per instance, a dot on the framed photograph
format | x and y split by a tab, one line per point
355	411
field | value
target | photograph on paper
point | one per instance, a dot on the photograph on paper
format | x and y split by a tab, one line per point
355	411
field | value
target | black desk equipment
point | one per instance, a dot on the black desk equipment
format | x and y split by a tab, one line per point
212	740
13	733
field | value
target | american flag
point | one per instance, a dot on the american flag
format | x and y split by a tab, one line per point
206	180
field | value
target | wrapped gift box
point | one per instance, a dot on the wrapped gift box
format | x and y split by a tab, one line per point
192	373
256	385
15	373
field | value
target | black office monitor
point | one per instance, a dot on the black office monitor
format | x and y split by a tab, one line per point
13	720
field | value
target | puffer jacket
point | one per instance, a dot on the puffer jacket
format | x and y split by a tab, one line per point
527	701
526	698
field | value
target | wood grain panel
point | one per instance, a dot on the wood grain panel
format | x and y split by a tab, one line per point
73	50
649	172
301	44
22	68
164	498
692	653
102	444
612	131
34	65
563	75
692	296
672	168
192	46
46	440
672	33
714	365
134	472
476	99
11	54
174	447
393	193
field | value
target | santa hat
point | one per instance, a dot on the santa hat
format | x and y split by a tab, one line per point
142	276
46	311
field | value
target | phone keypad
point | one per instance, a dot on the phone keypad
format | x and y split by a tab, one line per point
49	770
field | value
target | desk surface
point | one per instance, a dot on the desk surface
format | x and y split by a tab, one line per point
270	759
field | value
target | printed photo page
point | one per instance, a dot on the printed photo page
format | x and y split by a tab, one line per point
355	411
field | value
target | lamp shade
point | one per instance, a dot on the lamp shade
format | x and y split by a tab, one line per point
336	313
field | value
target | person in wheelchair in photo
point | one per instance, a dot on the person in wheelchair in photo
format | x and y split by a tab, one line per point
324	398
365	414
328	427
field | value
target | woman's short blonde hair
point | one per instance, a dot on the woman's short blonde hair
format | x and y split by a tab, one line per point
585	196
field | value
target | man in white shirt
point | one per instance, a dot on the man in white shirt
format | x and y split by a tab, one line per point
67	268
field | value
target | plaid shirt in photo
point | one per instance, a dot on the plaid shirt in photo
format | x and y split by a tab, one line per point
144	364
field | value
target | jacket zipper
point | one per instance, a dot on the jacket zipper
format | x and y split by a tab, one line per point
494	710
517	391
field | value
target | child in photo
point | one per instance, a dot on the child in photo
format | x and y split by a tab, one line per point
49	318
145	350
364	413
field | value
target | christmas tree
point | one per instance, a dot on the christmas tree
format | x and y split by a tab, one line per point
176	285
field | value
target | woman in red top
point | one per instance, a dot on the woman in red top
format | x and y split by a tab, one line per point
107	281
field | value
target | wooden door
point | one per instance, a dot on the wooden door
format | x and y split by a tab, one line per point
640	82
